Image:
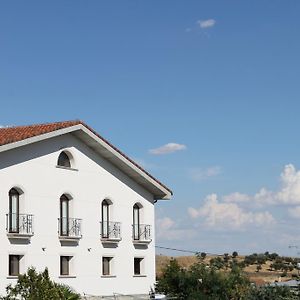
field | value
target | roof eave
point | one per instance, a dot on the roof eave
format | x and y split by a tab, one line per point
159	191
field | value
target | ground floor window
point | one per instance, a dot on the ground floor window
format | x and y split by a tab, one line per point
106	265
138	265
14	265
65	265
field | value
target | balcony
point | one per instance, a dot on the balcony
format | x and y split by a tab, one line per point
69	229
19	226
110	232
141	234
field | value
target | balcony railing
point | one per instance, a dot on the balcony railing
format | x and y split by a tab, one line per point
19	224
69	228
141	233
110	231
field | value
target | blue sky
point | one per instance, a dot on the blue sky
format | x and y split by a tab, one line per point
219	78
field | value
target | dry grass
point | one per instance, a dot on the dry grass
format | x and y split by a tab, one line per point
265	275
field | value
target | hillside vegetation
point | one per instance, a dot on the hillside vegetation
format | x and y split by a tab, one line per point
227	277
259	268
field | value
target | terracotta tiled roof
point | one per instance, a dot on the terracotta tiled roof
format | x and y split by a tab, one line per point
10	135
15	134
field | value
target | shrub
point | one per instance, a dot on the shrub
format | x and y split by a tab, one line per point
39	286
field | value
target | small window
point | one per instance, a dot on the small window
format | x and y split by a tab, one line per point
106	265
137	265
65	265
14	265
64	160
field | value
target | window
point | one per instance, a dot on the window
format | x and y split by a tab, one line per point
14	265
137	265
14	211
64	160
106	265
65	265
136	222
105	219
64	215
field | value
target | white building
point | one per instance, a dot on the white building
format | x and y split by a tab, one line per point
72	202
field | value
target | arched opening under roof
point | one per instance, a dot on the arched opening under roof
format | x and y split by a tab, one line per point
64	160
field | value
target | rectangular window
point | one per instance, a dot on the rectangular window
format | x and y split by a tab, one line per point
14	265
106	265
138	265
65	265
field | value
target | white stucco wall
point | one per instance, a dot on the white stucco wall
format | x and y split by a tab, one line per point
32	169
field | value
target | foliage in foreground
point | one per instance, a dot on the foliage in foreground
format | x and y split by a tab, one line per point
39	286
208	282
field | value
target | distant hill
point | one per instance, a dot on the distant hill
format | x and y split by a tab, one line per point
267	273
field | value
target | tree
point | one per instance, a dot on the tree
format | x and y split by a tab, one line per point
234	254
273	256
203	255
39	286
209	283
258	268
271	293
202	282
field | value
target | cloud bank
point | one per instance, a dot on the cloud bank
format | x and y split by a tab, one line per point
222	215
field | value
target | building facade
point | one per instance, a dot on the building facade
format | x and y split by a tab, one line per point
72	202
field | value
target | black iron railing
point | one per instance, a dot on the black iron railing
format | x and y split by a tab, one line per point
110	230
19	223
69	227
141	232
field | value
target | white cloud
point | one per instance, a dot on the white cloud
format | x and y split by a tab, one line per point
294	212
164	223
206	23
290	191
199	174
168	229
168	148
229	215
287	194
236	197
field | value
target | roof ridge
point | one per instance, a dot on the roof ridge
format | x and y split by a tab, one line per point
43	124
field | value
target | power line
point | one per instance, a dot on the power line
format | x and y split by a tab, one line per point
186	251
179	250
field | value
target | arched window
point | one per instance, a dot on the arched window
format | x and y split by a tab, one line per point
14	210
105	218
136	222
64	215
64	160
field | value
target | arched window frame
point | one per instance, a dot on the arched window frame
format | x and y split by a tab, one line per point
136	221
64	160
105	217
14	210
64	215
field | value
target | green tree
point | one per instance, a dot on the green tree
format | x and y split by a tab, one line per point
202	282
258	267
39	286
234	254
